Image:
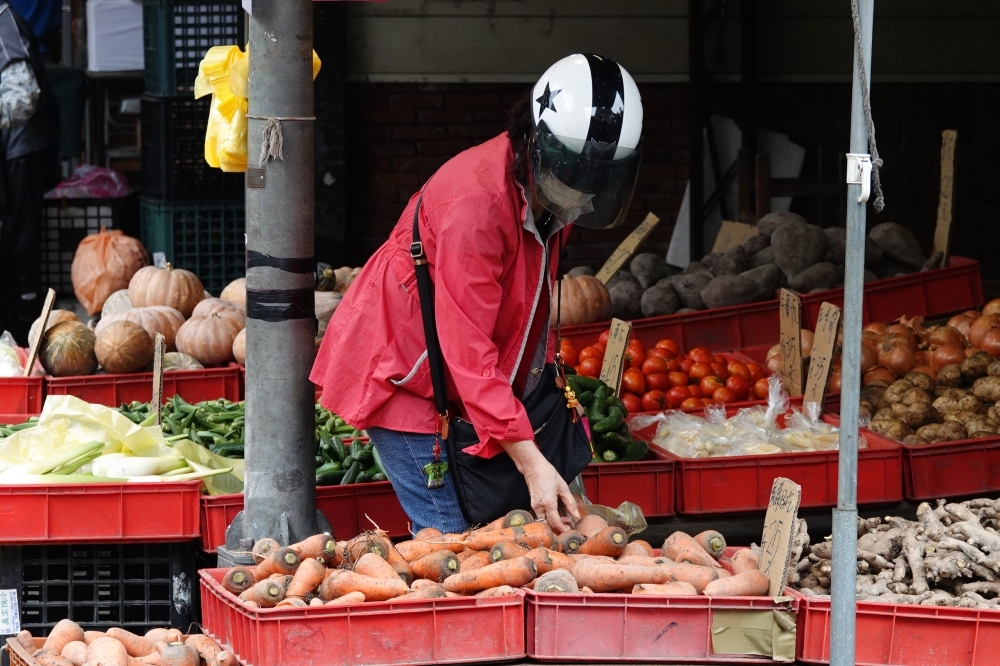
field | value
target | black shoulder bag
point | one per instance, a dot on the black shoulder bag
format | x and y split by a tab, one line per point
488	488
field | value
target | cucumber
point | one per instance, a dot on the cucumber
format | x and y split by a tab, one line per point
329	474
616	443
608	424
380	476
338	446
586	398
579	383
348	461
365	457
351	475
609	456
635	449
230	450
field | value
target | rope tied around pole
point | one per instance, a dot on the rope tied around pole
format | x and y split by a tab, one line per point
879	203
271	139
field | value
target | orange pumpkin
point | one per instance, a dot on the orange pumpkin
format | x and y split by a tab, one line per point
55	317
211	306
116	302
153	318
179	361
240	347
67	350
236	292
174	287
585	300
124	346
209	339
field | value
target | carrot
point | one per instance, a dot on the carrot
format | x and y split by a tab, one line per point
291	602
263	548
315	601
267	593
91	636
421	583
531	535
607	575
436	566
179	654
557	581
477	561
699	577
136	646
611	541
436	592
250	603
174	636
750	583
75	652
27	641
153	659
107	651
744	560
638	547
680	547
415	549
225	658
586	590
559	560
340	583
64	632
308	576
235	582
281	561
499	591
569	542
515	573
372	565
349	598
674	589
712	542
366	542
465	554
507	550
540	556
321	546
517	518
491	526
590	525
428	534
400	566
576	557
49	658
206	647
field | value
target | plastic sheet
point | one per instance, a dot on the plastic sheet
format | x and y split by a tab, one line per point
10	364
90	181
627	516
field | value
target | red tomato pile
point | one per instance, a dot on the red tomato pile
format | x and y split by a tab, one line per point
663	378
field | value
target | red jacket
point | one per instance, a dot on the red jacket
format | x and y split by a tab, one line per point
486	267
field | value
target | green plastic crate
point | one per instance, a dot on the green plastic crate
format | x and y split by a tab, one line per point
204	237
176	34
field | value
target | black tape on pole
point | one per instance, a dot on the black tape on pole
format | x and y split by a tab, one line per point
275	305
301	266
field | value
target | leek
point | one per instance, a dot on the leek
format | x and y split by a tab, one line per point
55	479
53	462
140	466
105	462
192	476
174	472
76	464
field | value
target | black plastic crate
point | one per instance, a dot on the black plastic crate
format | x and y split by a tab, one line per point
137	587
66	222
173	152
176	34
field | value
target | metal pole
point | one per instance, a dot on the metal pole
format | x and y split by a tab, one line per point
280	486
845	516
696	198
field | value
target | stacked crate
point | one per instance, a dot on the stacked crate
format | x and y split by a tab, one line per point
192	213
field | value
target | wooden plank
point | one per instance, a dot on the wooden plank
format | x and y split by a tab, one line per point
942	232
823	352
159	346
50	299
627	248
790	311
732	234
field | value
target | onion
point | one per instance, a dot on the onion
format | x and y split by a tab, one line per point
946	335
896	357
915	324
980	326
900	331
975	314
806	339
992	308
961	323
946	355
833	385
869	358
970	350
877	373
869	339
875	327
991	342
773	360
922	357
927	370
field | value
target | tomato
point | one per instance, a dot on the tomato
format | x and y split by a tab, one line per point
757	372
633	403
692	404
739	386
707	401
658	381
602	346
677	395
633	381
591	367
720	371
673	365
760	388
591	352
654	401
699	371
719	358
659	352
635	355
678	379
696	391
568	353
710	384
604	336
686	365
667	343
654	365
701	355
576	369
723	395
738	369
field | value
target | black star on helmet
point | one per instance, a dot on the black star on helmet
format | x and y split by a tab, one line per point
546	100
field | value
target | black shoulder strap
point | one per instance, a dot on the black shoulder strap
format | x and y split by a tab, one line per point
426	297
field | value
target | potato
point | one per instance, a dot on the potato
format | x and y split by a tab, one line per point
870	276
623	275
898	243
731	262
873	393
954	431
660	299
755	244
648	269
580	271
994	369
836	249
961	417
697	267
817	277
933	262
767	276
950	376
798	246
920	380
970	403
976	366
981	424
948	404
892	270
915	411
884	414
896	391
987	388
689	287
873	254
626	300
767	224
728	290
892	429
916	440
993	413
765	256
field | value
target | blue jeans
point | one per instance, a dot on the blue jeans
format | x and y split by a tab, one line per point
403	456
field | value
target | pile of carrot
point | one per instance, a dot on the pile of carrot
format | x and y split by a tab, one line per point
513	552
70	645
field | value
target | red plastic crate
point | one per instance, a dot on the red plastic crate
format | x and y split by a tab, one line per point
435	631
21	395
903	635
951	469
344	506
99	513
14	419
649	484
615	627
115	390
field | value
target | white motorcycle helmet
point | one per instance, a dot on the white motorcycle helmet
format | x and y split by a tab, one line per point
585	147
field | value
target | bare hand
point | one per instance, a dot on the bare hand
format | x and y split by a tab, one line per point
547	488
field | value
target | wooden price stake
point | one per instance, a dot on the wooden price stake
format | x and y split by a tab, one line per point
614	356
159	347
823	352
50	300
942	233
732	234
791	342
775	543
627	248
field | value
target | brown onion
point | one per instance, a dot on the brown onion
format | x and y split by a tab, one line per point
877	373
946	355
980	326
833	385
900	331
869	340
946	335
991	342
922	357
915	324
975	314
927	370
896	357
992	308
875	327
806	340
961	323
869	358
970	350
773	360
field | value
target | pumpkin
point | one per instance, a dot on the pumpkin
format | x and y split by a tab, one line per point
67	350
124	346
179	361
345	278
326	304
236	292
104	263
209	339
585	300
116	302
211	306
240	347
173	287
154	319
55	317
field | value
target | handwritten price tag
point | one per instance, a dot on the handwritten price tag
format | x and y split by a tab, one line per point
10	616
823	352
791	342
614	357
775	543
159	346
627	248
942	232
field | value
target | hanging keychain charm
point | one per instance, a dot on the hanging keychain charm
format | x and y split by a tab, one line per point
434	471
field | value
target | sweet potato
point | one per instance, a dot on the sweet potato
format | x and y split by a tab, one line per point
179	654
91	636
64	632
205	646
25	640
750	583
136	646
75	652
107	651
49	658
